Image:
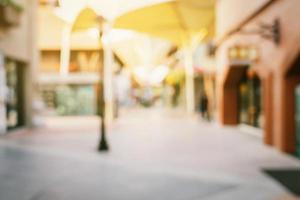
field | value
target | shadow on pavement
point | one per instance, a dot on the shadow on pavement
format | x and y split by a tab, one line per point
289	178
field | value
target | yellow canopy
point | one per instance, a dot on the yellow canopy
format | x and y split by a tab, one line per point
85	20
178	21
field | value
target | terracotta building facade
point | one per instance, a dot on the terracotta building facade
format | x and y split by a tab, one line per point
259	67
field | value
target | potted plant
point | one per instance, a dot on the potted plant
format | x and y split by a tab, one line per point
10	13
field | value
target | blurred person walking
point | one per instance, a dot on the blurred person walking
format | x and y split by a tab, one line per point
204	107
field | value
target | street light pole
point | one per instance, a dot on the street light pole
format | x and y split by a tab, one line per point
103	145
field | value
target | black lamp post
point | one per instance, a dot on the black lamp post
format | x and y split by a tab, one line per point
103	145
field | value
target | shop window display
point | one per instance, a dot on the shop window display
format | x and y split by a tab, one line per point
2	96
13	95
70	100
298	120
84	61
75	100
250	106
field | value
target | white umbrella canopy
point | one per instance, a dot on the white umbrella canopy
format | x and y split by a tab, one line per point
179	21
109	9
144	50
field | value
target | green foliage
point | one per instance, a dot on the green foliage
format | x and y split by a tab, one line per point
12	4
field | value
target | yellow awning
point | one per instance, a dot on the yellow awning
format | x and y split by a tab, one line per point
177	21
86	19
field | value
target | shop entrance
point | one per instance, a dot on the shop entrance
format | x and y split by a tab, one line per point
297	120
242	97
249	101
292	107
14	94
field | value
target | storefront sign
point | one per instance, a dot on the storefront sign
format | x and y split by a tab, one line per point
243	53
2	96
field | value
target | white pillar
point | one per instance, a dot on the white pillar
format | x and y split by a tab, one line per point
2	96
108	65
189	80
31	70
65	50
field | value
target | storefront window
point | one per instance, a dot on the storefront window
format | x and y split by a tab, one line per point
2	96
50	61
13	91
85	61
297	118
70	100
250	107
76	100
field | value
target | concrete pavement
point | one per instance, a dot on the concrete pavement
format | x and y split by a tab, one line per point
155	154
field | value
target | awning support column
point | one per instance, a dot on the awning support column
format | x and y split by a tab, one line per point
108	74
65	50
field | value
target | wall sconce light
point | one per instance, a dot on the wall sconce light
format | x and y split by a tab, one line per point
268	31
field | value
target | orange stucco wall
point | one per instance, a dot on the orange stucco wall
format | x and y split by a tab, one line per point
228	20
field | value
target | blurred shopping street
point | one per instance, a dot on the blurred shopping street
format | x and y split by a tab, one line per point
155	154
200	99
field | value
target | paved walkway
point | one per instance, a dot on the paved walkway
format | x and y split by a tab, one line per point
155	154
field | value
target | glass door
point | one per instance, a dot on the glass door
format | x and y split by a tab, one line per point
255	102
250	101
297	118
12	95
243	101
2	96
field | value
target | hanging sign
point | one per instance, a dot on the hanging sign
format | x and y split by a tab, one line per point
248	53
2	96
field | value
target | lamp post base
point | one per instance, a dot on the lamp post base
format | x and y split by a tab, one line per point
103	146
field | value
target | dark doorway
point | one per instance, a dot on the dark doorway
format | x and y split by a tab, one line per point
15	111
291	105
297	116
294	74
